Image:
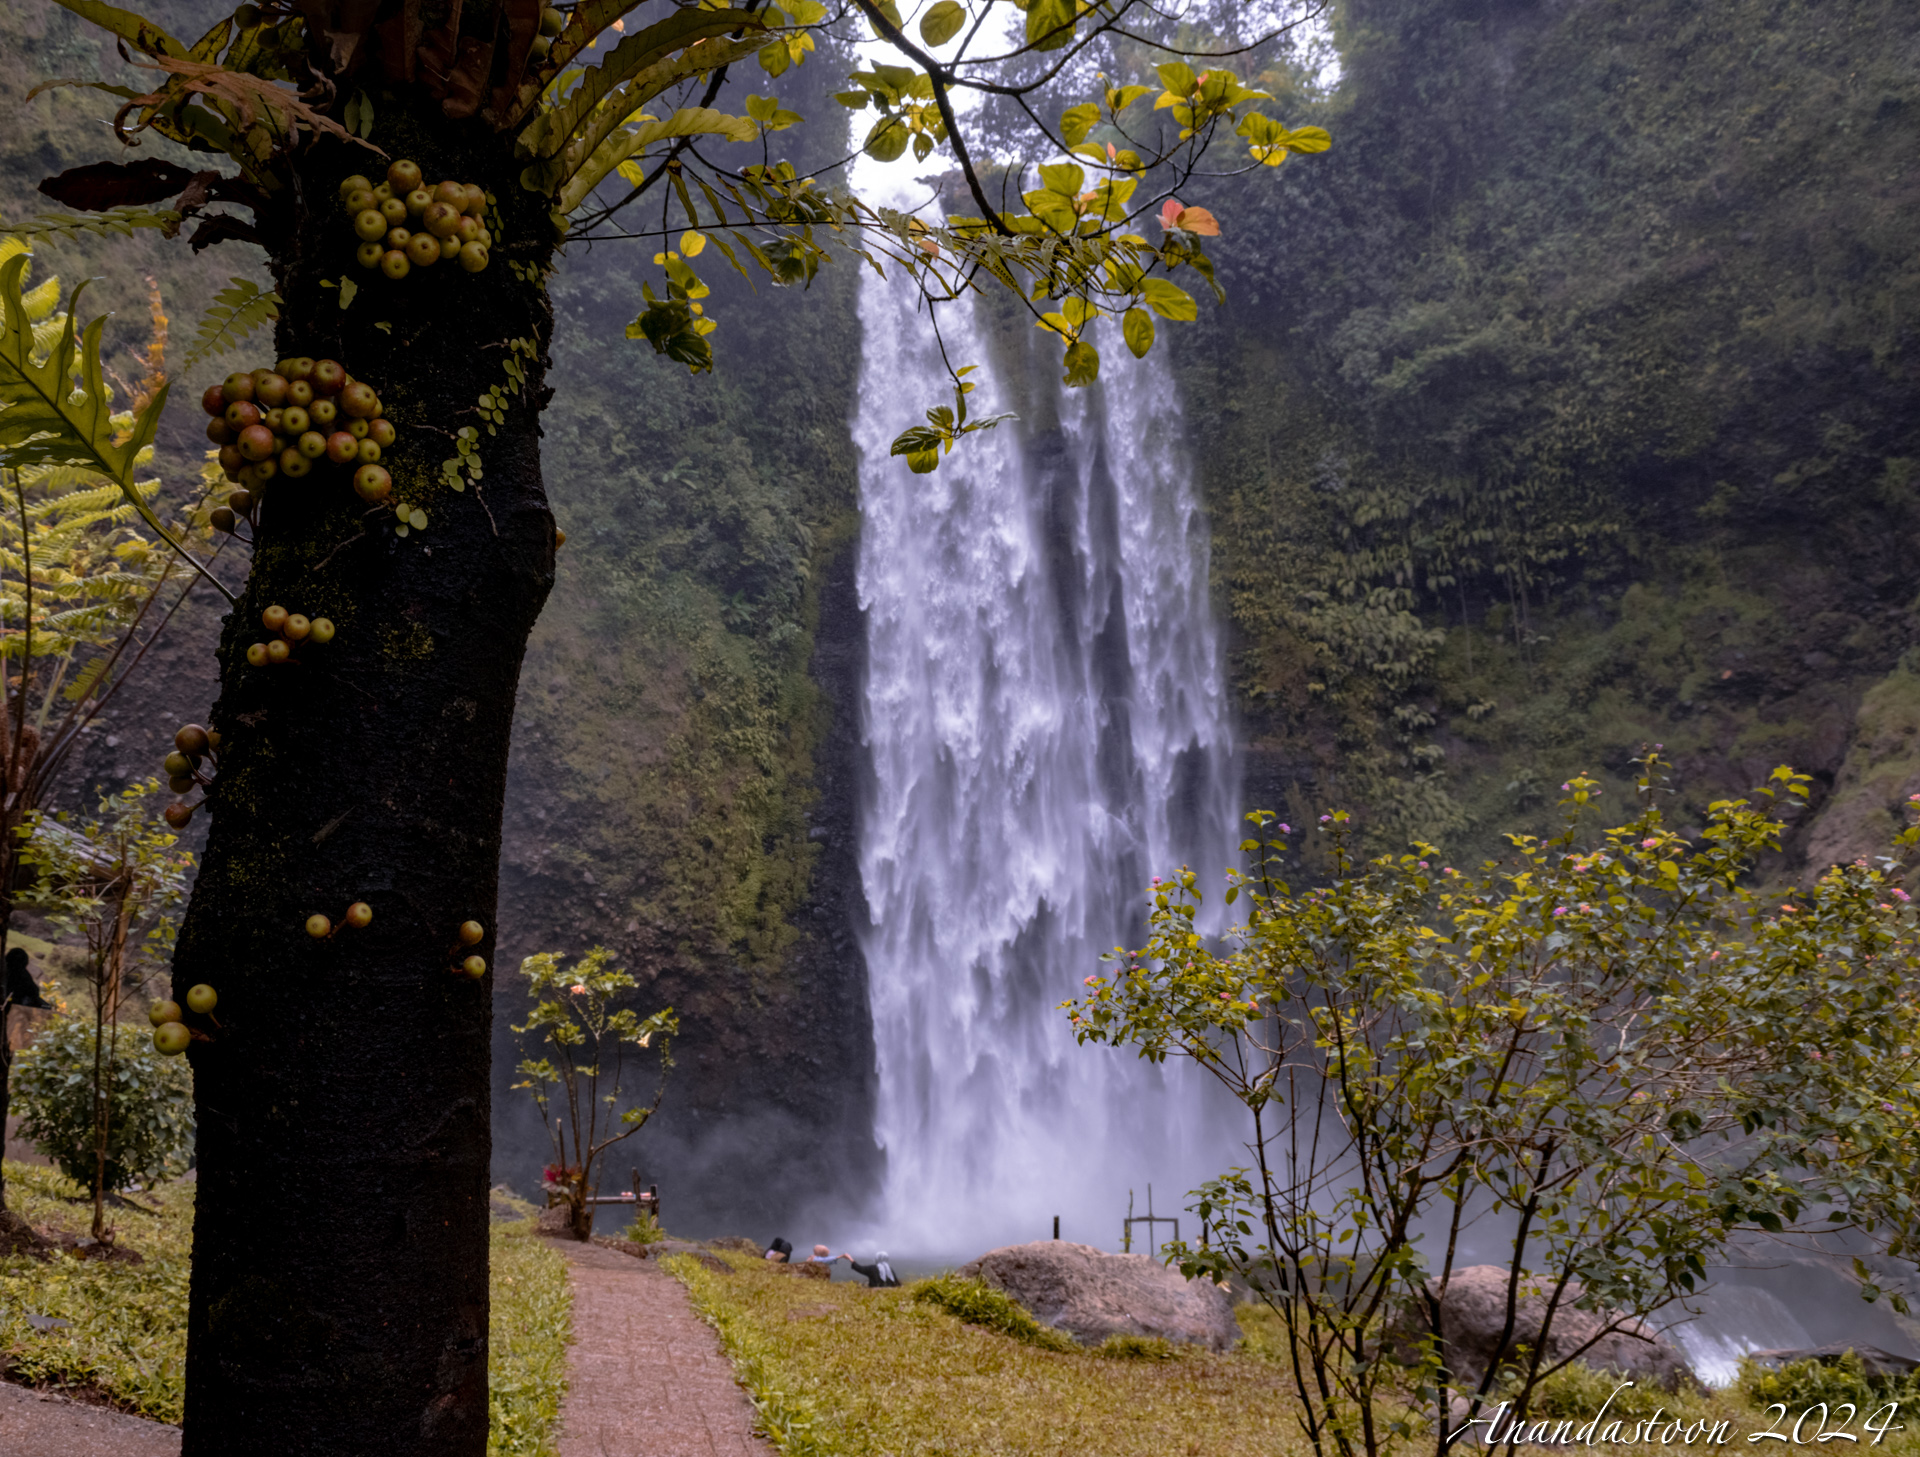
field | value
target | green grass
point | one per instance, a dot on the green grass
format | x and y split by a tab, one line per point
843	1371
126	1338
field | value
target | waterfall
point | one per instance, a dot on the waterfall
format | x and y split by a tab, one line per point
1046	717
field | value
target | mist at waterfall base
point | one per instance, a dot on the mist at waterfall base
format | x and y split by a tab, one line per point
1047	728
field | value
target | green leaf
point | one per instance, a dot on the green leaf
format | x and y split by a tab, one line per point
1177	77
1064	178
1077	121
136	30
853	100
1169	300
1083	364
943	22
892	13
688	121
1137	328
1050	24
237	311
887	140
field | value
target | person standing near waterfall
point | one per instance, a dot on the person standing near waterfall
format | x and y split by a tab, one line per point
879	1274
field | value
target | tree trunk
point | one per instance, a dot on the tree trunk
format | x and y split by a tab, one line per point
339	1296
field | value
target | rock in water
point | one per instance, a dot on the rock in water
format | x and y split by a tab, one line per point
1475	1311
1091	1294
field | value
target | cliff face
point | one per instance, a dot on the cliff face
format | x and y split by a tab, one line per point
1568	405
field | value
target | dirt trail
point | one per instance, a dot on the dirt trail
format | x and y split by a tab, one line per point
646	1375
40	1424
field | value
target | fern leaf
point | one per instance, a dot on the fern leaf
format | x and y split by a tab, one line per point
45	420
86	680
117	220
236	312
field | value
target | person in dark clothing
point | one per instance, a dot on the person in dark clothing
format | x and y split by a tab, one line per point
779	1251
879	1274
21	990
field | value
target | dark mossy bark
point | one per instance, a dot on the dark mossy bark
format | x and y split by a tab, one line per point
339	1300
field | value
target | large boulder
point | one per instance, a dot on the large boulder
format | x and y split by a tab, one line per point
1474	1313
1091	1294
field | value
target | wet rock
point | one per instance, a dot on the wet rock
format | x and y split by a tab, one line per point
1091	1294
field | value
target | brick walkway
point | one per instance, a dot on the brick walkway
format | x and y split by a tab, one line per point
646	1375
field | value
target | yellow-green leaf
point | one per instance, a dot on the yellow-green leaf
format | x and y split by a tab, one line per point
1077	121
1169	300
1137	328
943	22
1083	364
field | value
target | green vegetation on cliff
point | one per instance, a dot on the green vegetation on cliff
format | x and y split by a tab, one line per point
1584	416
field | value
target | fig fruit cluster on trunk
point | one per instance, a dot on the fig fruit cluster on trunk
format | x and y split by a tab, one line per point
286	420
404	223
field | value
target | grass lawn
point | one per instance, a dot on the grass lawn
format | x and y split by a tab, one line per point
839	1370
125	1340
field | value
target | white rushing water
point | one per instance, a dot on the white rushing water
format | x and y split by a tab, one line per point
1046	716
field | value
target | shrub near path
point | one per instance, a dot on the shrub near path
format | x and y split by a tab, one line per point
839	1370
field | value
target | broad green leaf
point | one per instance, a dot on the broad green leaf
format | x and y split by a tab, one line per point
887	140
1077	121
1177	77
1083	364
1169	300
1064	178
1050	24
1137	328
943	22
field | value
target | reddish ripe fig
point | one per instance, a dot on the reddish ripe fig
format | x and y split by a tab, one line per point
190	738
163	1012
257	655
476	200
312	444
202	998
293	464
237	387
255	442
403	176
358	400
381	432
219	432
241	501
294	421
418	201
368	255
240	414
173	1039
278	651
373	483
231	459
441	219
359	914
356	183
297	628
329	376
369	451
475	967
319	926
342	447
423	250
372	225
394	210
473	257
322	630
299	370
300	392
394	264
323	413
472	933
214	401
220	518
453	193
271	390
468	231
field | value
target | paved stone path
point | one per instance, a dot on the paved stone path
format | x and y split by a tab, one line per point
40	1424
646	1376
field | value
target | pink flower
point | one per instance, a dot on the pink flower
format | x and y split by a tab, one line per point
1887	1108
1559	910
1788	909
1648	844
1090	981
1288	829
1901	895
1325	818
1815	1055
579	989
1423	865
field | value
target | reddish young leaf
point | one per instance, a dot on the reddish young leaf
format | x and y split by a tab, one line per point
101	185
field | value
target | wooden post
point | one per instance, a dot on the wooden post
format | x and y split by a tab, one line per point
1056	1226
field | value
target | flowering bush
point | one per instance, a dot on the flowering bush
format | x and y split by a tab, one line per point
1611	1048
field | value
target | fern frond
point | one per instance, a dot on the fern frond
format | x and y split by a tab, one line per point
235	313
86	680
119	221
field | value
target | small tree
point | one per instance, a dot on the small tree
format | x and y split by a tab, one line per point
114	881
1613	1047
149	1104
574	1013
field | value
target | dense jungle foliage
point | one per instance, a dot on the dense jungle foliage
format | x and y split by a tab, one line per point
1580	414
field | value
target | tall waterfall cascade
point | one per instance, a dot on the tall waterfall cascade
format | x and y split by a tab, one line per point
1046	717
